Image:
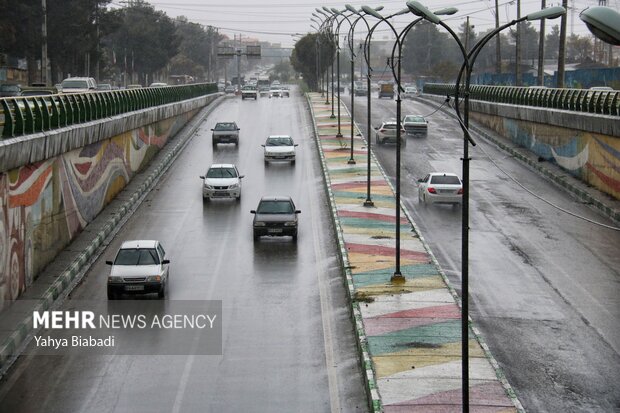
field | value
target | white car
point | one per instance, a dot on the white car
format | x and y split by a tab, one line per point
140	267
386	133
221	181
275	92
410	92
279	148
440	187
78	85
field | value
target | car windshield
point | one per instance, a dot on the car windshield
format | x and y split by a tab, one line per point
281	141
222	173
137	256
225	126
82	84
445	180
249	88
275	207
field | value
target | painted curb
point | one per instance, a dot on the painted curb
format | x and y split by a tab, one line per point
74	272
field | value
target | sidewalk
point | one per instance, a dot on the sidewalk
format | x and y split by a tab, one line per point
409	334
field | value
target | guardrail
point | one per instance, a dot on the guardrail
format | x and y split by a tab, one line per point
602	102
25	115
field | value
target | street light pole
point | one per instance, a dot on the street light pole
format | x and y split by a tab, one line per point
468	61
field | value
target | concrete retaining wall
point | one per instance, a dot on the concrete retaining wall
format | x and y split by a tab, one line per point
585	145
53	184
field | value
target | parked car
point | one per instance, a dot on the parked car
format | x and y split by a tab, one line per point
104	86
78	85
410	92
230	89
440	187
249	92
10	89
158	84
140	267
279	148
386	133
38	91
275	216
285	92
221	181
415	125
225	132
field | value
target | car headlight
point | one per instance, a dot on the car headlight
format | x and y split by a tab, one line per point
259	224
290	224
233	186
208	186
153	278
112	279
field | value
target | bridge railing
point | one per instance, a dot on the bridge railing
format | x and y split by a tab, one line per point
25	115
604	102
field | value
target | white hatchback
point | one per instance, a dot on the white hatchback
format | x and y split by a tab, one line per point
440	187
221	181
279	148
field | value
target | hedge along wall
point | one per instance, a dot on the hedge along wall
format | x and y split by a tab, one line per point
46	203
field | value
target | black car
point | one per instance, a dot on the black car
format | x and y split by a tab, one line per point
275	216
9	89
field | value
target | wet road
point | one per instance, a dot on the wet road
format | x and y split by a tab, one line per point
543	285
288	344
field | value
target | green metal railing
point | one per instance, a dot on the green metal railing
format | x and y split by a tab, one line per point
25	115
603	102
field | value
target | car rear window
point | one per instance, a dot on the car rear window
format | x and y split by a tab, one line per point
137	256
225	126
389	126
414	119
445	180
275	207
82	84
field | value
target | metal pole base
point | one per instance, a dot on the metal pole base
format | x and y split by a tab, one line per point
397	278
369	203
333	116
351	161
339	135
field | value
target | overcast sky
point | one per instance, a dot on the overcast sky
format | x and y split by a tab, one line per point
277	21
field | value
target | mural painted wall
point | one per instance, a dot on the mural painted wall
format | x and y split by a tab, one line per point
591	157
46	204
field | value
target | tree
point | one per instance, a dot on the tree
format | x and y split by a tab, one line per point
552	43
425	47
579	49
304	56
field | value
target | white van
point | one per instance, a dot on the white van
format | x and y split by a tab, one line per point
78	85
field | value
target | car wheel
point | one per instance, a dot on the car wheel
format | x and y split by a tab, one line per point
162	291
112	295
214	143
266	162
293	162
295	237
238	198
206	198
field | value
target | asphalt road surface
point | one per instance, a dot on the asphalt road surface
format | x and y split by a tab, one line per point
544	286
288	344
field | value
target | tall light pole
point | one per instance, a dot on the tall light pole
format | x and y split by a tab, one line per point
468	61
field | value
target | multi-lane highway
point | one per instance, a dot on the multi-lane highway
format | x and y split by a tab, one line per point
288	342
543	285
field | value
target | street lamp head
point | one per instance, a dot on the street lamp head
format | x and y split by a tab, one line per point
372	12
321	11
327	9
335	11
419	10
550	13
603	22
351	9
448	11
399	13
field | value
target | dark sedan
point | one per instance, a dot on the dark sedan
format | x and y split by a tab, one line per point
275	216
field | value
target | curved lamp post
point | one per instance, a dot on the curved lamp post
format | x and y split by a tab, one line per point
603	22
468	61
329	26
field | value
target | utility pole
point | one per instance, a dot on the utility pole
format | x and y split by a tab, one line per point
498	53
562	48
541	49
518	51
45	67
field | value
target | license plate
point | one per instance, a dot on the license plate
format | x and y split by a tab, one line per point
275	230
134	288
